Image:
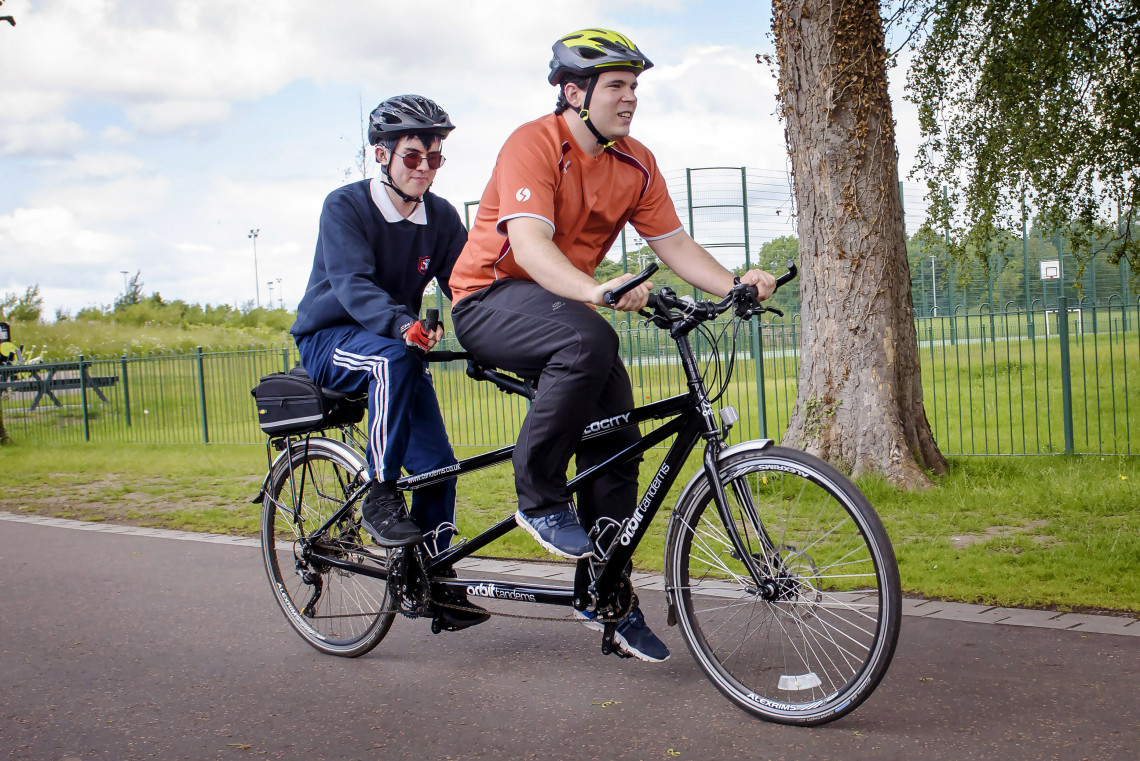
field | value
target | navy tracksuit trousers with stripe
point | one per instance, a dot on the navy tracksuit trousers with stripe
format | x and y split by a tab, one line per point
405	425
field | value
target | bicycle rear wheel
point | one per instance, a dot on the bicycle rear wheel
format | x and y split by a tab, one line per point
812	639
335	611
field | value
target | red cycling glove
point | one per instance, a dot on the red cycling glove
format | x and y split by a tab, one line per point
417	338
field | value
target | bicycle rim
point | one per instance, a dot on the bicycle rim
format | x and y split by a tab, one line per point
811	641
335	611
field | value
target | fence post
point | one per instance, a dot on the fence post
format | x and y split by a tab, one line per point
83	399
126	389
1066	381
689	199
1025	256
202	397
758	353
284	360
1124	292
950	276
744	208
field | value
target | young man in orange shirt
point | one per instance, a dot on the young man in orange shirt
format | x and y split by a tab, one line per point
563	188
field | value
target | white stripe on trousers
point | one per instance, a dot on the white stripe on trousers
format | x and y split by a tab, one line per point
377	366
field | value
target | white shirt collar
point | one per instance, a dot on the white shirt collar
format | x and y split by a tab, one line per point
384	203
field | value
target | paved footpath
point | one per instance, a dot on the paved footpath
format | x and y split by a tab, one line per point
126	643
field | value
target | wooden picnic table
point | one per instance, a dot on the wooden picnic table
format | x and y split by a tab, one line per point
45	378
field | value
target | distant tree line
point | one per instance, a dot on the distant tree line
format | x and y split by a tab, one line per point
134	307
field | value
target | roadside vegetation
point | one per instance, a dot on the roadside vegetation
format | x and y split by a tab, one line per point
138	324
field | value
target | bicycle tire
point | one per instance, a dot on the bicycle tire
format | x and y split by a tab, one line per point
811	642
335	611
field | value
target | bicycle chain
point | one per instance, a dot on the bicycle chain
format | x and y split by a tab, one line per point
559	619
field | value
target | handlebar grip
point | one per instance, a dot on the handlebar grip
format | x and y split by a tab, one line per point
430	320
446	356
788	276
614	296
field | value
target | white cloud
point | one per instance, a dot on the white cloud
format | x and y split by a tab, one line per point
50	239
116	135
105	165
47	137
715	108
171	116
103	201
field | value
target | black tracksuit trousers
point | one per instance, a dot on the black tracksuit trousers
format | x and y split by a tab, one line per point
572	352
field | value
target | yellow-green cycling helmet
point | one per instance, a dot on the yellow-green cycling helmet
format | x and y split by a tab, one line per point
588	52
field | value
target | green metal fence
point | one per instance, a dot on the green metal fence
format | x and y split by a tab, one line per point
1055	380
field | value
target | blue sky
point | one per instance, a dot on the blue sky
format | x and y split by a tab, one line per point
152	135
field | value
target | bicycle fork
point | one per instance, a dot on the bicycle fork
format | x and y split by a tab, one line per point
761	577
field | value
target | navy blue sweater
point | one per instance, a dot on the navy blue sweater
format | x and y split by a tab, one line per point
370	272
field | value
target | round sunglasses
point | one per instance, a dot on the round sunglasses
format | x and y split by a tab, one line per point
413	159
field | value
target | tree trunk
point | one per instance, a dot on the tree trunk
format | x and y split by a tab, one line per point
3	431
859	403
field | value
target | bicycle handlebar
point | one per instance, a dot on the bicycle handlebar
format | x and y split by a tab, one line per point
742	296
614	296
788	276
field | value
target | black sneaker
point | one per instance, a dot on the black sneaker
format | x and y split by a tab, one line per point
632	636
559	533
453	618
385	518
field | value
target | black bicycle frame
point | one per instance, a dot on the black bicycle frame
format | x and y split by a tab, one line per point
690	418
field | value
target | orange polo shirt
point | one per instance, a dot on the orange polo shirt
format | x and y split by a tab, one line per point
542	173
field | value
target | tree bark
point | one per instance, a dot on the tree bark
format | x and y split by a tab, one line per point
859	402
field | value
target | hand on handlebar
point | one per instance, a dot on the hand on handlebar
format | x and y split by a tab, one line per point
421	339
763	282
629	302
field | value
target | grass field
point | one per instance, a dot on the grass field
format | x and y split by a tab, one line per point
1053	532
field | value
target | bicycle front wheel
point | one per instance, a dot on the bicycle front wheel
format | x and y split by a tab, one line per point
335	611
801	626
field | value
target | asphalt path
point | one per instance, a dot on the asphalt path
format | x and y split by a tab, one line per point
131	647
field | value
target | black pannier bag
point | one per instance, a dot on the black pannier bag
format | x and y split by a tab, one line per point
291	403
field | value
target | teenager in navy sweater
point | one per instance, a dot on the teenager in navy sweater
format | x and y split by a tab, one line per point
381	242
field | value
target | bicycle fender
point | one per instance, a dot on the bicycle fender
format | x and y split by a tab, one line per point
755	445
298	449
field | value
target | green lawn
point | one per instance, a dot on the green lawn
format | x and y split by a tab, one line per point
1055	532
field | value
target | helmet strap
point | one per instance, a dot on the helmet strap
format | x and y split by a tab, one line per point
387	180
584	114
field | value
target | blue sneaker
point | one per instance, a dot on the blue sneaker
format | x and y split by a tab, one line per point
559	533
633	636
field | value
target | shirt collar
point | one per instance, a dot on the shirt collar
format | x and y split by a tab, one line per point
384	203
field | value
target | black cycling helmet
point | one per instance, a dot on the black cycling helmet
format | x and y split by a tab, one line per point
407	114
589	52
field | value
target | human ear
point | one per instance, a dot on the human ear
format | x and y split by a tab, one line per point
573	94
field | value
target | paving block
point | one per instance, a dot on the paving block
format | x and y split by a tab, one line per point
1080	622
1042	619
912	607
978	614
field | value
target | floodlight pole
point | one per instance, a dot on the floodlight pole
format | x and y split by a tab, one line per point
256	283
